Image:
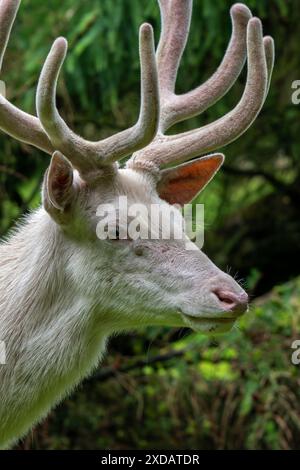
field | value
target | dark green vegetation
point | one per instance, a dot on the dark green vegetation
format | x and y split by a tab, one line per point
237	391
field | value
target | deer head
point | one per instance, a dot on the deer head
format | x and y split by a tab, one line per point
138	282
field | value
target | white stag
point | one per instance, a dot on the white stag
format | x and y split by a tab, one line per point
63	291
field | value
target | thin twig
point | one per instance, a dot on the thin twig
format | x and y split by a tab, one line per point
109	372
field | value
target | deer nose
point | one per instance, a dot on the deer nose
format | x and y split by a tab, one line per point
235	303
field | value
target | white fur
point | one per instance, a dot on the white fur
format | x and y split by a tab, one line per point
63	292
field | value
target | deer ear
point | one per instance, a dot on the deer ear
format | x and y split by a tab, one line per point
58	189
181	184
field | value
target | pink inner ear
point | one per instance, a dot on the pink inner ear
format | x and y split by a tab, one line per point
181	184
59	181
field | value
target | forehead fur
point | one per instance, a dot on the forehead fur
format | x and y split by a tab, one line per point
137	186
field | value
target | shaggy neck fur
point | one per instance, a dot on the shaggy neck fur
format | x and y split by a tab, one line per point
51	340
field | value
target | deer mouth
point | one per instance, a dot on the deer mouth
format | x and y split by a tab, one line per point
193	319
209	325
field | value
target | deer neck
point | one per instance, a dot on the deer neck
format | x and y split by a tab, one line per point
51	341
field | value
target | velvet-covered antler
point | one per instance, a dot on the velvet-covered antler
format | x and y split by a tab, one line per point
246	40
84	154
49	132
18	124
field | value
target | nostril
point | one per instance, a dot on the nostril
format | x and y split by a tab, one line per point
227	298
224	297
234	302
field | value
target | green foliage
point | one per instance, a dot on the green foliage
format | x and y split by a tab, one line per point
235	391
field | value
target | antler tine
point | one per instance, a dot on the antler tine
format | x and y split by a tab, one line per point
13	121
180	107
270	57
86	155
181	147
175	25
8	11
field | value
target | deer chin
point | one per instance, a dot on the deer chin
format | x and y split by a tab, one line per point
209	325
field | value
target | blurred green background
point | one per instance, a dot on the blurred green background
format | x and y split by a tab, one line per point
163	388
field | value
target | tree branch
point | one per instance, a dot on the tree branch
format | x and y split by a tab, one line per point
276	183
109	372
